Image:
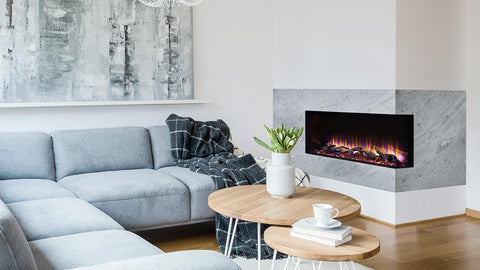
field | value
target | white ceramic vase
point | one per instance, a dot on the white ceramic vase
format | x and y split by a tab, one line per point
280	176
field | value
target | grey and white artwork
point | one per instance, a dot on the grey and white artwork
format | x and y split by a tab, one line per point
94	50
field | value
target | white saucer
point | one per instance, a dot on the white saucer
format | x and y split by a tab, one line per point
332	224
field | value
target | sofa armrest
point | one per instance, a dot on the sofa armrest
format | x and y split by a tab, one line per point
182	260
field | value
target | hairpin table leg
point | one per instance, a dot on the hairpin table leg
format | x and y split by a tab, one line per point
286	264
274	259
259	245
228	236
297	265
232	238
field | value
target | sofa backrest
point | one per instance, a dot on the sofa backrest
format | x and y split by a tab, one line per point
161	144
26	155
99	150
15	253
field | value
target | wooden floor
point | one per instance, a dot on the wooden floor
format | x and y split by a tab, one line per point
452	243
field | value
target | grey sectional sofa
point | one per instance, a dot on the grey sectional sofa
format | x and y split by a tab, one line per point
70	199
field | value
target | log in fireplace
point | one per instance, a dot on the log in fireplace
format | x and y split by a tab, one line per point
377	139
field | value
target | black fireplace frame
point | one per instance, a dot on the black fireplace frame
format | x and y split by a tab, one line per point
403	124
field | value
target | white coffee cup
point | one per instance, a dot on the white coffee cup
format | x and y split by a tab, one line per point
323	213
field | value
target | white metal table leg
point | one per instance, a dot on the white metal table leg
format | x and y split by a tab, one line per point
232	238
228	236
259	245
353	265
297	265
341	265
286	264
313	265
319	265
274	259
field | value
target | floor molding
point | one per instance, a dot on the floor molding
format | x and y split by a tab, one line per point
477	213
427	220
472	213
378	221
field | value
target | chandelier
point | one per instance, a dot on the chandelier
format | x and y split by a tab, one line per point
169	3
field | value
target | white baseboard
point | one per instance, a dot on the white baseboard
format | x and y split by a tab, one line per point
402	207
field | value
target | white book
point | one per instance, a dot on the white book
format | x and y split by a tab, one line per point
339	233
321	240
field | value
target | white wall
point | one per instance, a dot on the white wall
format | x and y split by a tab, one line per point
473	100
342	44
233	48
430	45
378	44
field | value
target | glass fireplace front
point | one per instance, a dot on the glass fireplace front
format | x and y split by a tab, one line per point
377	139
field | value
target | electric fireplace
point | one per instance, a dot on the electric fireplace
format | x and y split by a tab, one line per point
377	139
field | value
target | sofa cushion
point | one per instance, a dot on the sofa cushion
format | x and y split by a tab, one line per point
200	187
182	260
14	250
98	150
26	155
60	216
90	248
160	140
137	199
20	190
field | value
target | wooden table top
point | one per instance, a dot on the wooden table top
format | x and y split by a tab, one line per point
362	246
253	203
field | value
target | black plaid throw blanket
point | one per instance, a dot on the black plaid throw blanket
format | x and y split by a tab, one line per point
204	147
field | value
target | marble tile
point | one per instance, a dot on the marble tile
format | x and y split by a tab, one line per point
439	140
439	134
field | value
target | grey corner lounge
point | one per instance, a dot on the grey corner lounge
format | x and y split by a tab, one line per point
70	199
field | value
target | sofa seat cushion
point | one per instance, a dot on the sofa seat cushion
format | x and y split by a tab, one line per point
19	190
60	216
137	199
200	187
84	249
182	260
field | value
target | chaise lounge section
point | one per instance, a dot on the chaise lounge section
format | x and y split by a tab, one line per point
66	200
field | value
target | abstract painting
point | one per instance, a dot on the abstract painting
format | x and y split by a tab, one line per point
94	50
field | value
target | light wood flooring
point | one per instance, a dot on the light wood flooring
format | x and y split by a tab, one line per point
452	243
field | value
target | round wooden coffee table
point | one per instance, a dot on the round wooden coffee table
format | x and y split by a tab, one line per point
253	203
362	246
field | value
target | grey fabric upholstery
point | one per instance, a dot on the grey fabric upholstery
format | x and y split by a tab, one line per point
89	248
98	150
183	260
26	155
60	216
20	190
200	187
14	250
160	140
137	199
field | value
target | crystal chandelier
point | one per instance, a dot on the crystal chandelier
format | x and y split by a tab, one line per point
170	3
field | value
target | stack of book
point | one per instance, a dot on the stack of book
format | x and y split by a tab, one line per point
330	237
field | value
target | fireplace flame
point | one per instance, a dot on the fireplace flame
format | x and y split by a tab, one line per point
389	148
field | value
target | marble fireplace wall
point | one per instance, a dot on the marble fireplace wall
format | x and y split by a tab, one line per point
439	132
